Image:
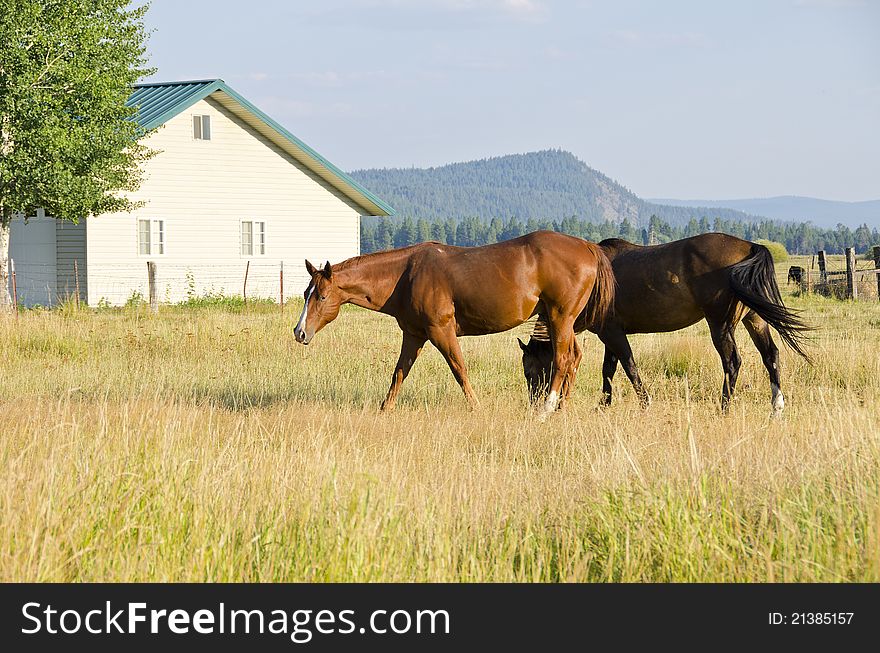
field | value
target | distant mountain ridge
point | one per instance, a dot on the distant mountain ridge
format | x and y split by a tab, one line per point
823	213
551	184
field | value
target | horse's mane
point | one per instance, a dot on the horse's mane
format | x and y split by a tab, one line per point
392	254
618	244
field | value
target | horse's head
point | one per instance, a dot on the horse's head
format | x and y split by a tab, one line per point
537	362
322	301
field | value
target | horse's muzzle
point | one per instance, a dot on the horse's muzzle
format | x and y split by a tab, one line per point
301	336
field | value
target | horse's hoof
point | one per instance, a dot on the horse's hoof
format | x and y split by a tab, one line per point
778	401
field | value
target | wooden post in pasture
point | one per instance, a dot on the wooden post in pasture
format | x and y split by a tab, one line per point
852	286
823	277
76	280
154	294
877	267
281	282
14	287
244	288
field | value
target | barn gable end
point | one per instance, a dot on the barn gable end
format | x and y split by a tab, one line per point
229	190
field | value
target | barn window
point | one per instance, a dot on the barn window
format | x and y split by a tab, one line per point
202	128
253	238
151	237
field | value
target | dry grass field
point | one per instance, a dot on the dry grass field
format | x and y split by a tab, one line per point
206	445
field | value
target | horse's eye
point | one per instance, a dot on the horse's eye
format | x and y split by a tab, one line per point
322	297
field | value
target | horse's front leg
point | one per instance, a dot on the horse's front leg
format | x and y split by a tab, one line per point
445	340
409	351
562	336
568	383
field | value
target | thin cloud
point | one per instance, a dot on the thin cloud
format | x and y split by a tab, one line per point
431	14
830	4
635	38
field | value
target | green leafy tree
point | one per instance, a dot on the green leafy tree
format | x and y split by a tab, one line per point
68	143
777	250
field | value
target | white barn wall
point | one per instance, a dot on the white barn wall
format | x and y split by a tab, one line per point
32	247
202	190
70	248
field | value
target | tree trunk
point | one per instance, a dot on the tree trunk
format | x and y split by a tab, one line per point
5	296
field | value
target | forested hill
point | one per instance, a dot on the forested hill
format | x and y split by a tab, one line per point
547	185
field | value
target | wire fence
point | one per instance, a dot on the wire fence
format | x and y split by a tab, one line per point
841	277
42	284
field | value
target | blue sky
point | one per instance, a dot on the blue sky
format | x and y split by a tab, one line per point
710	100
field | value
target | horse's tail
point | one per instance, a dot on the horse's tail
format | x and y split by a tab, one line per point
753	281
600	305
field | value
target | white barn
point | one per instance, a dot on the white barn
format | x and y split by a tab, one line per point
229	186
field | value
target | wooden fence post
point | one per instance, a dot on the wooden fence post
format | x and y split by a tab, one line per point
14	288
76	277
281	281
877	267
852	286
244	288
823	278
154	295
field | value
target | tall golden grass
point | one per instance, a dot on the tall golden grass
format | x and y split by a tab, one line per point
206	445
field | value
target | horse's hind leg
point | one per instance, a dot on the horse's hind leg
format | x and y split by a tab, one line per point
444	339
617	347
725	345
609	367
759	331
409	351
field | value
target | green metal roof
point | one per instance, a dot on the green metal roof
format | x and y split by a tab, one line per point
158	103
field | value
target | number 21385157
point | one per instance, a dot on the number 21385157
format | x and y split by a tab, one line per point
810	618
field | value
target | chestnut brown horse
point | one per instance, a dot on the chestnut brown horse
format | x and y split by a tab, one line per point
438	292
715	277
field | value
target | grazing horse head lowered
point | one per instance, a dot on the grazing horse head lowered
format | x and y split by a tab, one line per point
438	292
536	353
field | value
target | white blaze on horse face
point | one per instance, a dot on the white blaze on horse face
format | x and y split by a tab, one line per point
299	331
778	398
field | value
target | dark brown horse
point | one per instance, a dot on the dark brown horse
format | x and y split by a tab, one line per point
715	277
438	292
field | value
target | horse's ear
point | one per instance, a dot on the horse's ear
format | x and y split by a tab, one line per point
310	268
328	270
522	345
